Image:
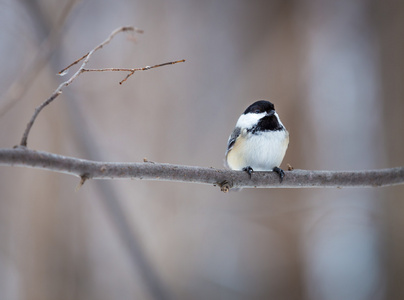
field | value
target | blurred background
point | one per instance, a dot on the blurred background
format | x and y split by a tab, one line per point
333	69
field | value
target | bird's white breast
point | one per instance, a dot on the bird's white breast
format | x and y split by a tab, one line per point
262	151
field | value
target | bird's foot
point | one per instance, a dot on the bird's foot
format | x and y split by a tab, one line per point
249	170
280	172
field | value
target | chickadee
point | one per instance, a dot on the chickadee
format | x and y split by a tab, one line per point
259	140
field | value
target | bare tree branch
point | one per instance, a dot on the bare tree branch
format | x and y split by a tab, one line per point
226	179
85	58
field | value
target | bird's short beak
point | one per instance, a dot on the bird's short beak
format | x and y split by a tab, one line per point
271	113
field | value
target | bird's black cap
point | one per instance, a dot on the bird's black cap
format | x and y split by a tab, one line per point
260	107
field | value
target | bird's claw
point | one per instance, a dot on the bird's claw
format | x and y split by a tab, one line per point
249	170
280	172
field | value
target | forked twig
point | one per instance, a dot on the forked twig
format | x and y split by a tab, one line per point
132	71
85	58
58	91
63	72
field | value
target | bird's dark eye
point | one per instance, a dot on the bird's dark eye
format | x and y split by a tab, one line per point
257	111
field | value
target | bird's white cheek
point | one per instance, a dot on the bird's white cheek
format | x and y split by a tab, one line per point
249	120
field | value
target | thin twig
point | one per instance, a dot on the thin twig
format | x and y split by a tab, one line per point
126	28
82	69
150	67
226	179
58	91
132	71
72	64
87	56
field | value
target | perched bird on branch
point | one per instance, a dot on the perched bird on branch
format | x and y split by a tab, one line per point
259	140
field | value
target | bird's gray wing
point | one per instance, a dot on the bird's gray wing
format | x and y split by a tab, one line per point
232	139
230	143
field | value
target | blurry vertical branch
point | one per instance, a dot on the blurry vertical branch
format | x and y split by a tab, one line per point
49	41
85	58
130	238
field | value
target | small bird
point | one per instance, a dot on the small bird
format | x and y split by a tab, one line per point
259	140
